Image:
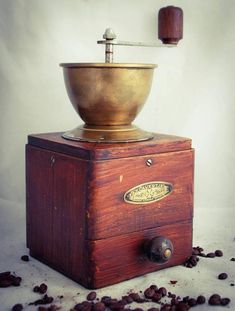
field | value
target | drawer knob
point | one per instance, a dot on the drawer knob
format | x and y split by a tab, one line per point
159	249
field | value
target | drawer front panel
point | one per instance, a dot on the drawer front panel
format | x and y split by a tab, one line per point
110	213
120	258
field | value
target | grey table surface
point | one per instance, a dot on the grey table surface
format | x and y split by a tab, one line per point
213	229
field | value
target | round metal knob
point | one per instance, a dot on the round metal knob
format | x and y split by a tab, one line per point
159	249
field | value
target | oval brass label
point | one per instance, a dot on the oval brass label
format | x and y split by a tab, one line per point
148	192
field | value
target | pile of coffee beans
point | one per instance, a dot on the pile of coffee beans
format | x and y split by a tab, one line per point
164	300
199	251
8	279
151	294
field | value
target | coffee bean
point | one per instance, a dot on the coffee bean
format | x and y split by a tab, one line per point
201	299
149	292
222	276
36	289
232	284
173	281
17	307
192	302
42	308
163	291
165	307
202	255
91	296
153	309
53	308
25	258
232	259
99	306
138	309
43	288
225	301
218	253
210	255
214	300
157	296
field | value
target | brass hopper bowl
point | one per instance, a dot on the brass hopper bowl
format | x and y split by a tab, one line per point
108	97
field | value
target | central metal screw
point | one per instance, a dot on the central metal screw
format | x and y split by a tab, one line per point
149	162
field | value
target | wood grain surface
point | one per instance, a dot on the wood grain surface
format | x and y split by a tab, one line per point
77	220
122	257
100	151
109	215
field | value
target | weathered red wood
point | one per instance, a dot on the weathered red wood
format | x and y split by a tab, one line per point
56	202
77	220
122	257
111	179
98	151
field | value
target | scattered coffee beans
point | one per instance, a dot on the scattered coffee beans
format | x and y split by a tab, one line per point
44	301
7	279
222	276
25	258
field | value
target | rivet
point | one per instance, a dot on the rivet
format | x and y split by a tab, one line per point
52	160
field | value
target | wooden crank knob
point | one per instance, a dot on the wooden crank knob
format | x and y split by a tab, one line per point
159	249
170	24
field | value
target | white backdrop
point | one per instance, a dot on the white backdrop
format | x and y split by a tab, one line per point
193	92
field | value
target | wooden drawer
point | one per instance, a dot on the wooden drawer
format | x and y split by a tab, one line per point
120	258
109	215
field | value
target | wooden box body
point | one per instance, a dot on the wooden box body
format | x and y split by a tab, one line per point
78	221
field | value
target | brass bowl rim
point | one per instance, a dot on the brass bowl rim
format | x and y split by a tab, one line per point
108	65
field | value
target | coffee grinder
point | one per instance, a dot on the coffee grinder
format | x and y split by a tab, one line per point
108	201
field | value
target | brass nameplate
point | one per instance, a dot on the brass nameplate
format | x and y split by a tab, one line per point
148	192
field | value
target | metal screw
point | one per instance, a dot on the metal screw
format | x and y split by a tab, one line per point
149	162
